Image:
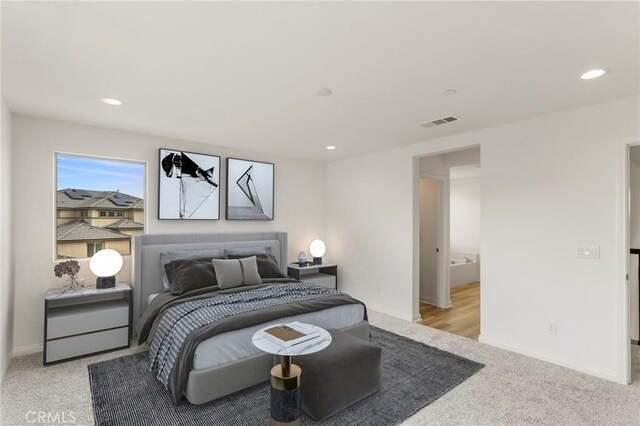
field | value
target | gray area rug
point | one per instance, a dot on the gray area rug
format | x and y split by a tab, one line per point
414	375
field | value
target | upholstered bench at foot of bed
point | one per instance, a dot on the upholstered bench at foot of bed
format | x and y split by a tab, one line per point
337	377
211	383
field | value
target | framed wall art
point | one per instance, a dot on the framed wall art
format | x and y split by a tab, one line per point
250	190
189	185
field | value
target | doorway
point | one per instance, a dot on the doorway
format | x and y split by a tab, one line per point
448	192
628	271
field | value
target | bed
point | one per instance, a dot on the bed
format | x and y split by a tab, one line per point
227	362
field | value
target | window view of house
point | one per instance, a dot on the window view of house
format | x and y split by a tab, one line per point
100	204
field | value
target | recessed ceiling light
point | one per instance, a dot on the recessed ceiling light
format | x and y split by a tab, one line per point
593	74
450	92
111	101
330	147
324	92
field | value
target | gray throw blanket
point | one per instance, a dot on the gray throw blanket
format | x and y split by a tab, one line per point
179	321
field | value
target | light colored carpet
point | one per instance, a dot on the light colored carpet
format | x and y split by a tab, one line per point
511	390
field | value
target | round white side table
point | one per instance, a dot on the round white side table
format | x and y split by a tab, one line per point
285	378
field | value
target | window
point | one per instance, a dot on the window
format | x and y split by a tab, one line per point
93	248
88	189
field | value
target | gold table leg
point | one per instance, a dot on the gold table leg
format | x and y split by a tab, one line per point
285	393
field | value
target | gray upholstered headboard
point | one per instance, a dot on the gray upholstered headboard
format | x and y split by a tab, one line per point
147	248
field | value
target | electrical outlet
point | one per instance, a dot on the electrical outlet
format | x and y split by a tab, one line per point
552	328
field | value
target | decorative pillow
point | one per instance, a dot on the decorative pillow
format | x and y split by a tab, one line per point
246	251
267	265
190	274
236	272
170	256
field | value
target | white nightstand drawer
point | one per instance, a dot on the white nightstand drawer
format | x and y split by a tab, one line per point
324	280
88	317
69	347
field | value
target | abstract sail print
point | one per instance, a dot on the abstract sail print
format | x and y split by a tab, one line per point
189	185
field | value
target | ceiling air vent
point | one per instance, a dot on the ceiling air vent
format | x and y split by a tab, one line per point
441	121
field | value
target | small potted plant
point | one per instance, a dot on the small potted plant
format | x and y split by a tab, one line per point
70	268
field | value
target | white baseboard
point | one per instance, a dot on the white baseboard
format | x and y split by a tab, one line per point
433	302
27	350
398	315
552	359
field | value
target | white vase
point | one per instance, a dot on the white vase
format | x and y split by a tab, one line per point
302	257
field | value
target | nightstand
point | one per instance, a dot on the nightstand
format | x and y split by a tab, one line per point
86	322
325	274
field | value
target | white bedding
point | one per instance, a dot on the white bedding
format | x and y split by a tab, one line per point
234	345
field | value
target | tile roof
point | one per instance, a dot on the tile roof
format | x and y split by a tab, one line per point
125	224
79	230
71	198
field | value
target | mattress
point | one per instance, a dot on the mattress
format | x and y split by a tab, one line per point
234	345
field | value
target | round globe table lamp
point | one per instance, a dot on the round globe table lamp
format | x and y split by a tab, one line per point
317	250
105	264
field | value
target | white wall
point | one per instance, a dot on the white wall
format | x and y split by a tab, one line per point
536	209
299	204
464	215
6	243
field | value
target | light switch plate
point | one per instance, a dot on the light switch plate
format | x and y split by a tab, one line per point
589	252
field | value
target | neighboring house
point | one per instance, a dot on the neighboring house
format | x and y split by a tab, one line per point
89	221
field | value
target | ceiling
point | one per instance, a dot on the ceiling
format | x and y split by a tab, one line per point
245	74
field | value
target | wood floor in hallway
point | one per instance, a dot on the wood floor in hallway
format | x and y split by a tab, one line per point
463	318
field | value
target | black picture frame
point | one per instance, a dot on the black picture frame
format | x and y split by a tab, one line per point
234	188
163	193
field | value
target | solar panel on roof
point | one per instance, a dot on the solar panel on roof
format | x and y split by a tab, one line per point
124	198
73	194
118	202
82	192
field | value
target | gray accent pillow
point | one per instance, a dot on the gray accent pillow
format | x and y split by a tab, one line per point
236	272
247	251
170	256
267	265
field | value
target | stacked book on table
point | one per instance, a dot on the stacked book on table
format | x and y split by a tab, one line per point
293	333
